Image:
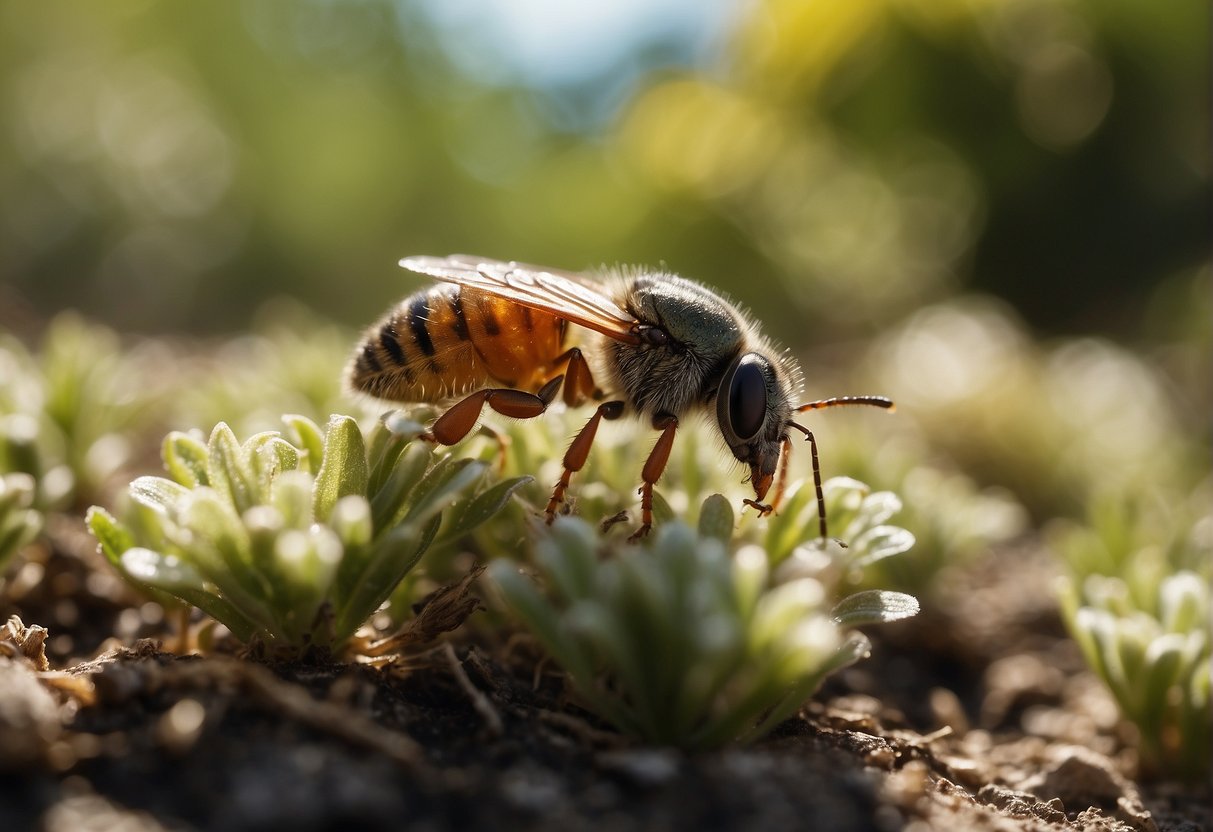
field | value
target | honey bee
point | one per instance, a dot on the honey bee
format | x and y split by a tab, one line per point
665	347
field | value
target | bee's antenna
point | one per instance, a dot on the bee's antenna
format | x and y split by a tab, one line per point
874	401
838	401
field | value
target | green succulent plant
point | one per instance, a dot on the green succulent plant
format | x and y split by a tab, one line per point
293	543
681	640
1137	600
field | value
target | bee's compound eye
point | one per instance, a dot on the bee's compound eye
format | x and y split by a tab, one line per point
747	398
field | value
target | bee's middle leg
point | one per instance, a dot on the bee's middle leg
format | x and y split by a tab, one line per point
579	382
654	466
579	452
462	416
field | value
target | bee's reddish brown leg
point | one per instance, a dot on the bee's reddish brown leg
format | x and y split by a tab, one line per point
459	420
578	382
781	481
579	452
654	466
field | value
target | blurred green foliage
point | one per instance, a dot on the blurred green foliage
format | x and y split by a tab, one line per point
170	165
72	411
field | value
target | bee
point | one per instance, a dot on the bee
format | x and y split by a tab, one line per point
514	336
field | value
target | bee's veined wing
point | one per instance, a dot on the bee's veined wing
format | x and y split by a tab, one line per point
562	294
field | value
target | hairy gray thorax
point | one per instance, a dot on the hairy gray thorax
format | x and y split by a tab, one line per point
705	333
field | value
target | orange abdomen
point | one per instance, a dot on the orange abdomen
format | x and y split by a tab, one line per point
448	340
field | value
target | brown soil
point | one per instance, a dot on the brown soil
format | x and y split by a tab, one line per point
976	715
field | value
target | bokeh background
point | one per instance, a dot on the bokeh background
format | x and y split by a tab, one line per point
168	166
996	211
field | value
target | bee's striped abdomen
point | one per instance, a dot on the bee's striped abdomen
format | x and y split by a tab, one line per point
449	340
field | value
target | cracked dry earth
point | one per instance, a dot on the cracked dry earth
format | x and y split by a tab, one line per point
980	718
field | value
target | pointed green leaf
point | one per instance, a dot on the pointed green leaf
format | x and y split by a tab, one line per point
470	515
388	503
228	477
185	459
161	495
111	535
442	486
344	470
387	561
716	518
874	606
270	457
308	437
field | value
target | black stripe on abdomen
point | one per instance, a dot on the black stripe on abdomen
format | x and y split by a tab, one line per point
370	363
390	343
461	321
418	310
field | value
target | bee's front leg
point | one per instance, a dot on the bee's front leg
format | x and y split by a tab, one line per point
781	482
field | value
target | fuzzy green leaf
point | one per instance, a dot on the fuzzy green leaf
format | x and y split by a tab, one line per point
520	593
386	564
113	538
344	470
442	486
269	456
185	458
161	495
879	543
226	472
388	504
874	606
310	438
168	576
475	512
716	518
168	573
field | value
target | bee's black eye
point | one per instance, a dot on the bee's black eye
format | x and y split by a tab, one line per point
747	398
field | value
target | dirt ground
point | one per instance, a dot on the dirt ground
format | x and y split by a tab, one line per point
980	717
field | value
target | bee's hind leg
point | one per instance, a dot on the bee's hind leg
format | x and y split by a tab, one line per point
458	421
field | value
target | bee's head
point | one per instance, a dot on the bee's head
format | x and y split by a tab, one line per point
753	409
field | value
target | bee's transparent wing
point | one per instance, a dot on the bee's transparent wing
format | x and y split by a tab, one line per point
563	294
